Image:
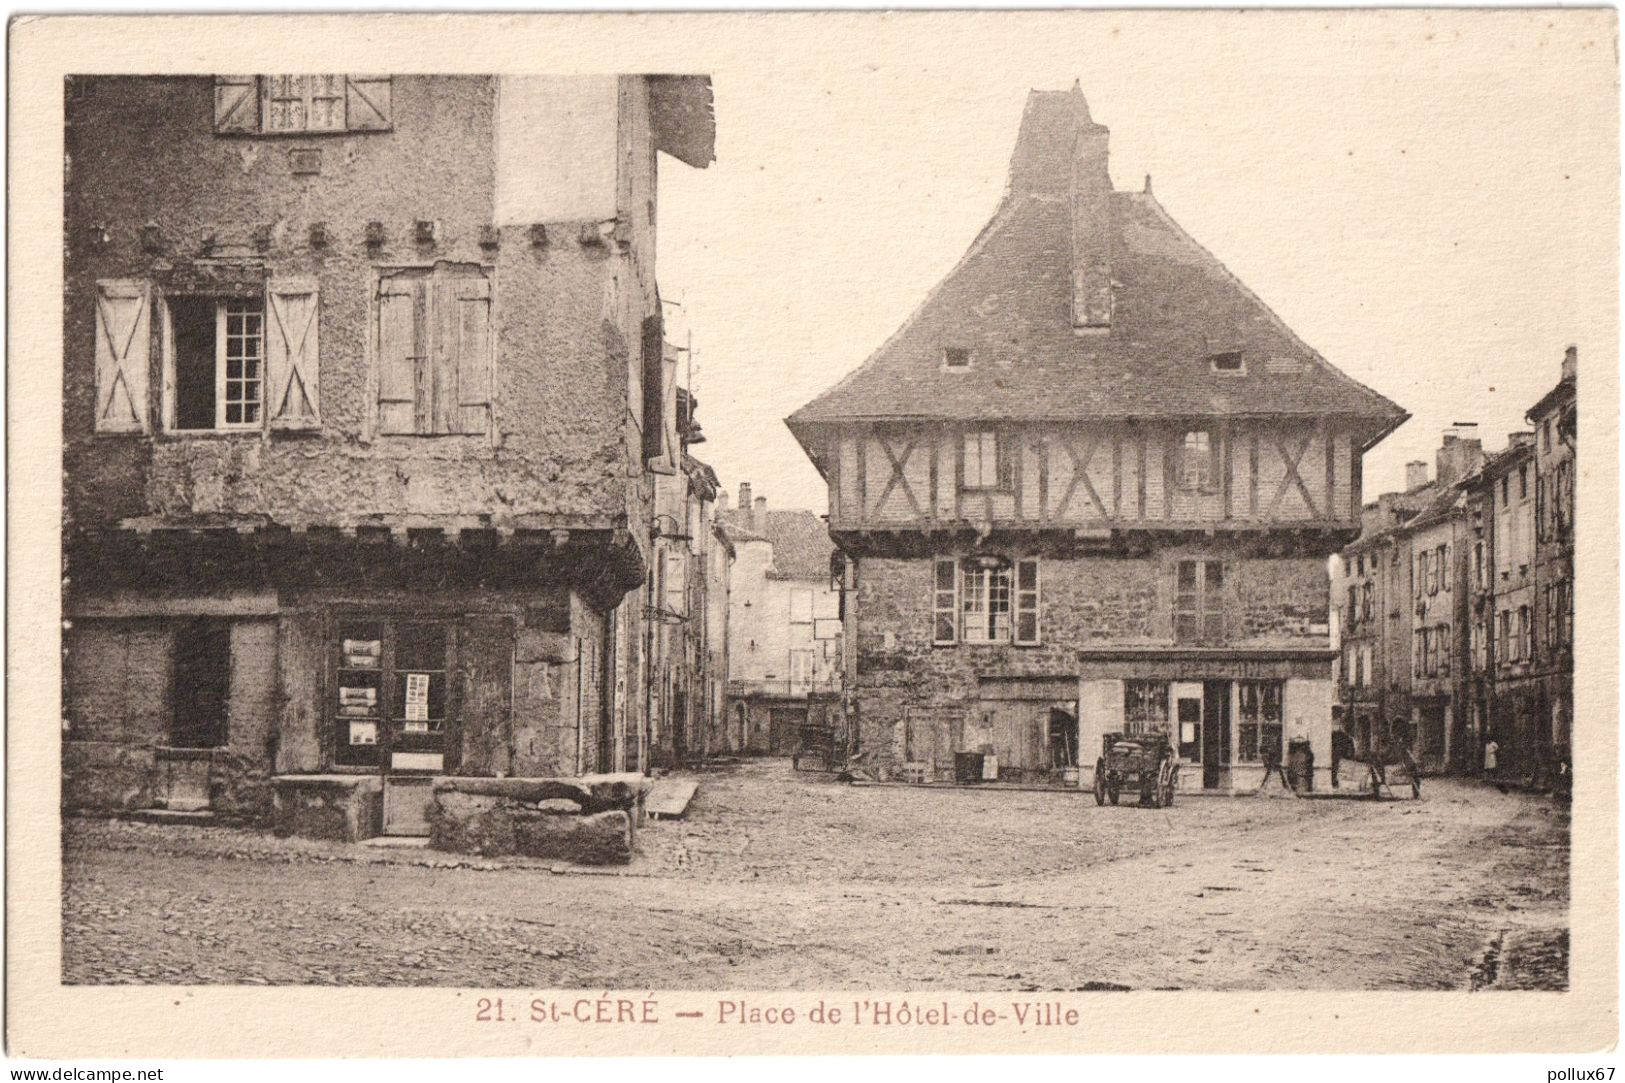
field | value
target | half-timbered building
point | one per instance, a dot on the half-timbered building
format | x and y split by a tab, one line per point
1091	485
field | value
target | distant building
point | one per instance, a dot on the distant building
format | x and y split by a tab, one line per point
784	627
1091	485
1456	603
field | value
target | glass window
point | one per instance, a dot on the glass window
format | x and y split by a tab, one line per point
986	605
1259	725
1199	601
1145	706
1198	469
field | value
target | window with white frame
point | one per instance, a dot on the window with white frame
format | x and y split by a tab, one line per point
1199	461
987	462
216	362
984	600
1199	601
1259	726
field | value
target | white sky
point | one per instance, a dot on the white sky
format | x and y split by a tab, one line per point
1429	199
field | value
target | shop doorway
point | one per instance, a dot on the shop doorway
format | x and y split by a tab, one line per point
1215	733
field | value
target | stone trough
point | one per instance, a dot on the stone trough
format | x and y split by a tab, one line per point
591	820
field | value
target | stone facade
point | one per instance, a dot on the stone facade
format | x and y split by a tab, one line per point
357	446
783	626
1103	619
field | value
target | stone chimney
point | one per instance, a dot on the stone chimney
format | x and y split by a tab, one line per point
744	505
1571	363
1416	474
722	501
758	515
1461	453
1061	154
1091	202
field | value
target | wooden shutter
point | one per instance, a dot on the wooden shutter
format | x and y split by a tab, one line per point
123	350
472	299
236	103
676	600
367	103
945	603
1027	601
401	370
292	353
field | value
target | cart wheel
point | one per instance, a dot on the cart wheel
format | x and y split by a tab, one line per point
1100	784
1113	791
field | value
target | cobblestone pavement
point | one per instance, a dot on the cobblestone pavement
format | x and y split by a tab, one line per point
779	880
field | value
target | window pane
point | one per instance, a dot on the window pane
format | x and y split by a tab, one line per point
421	646
1187	575
1027	574
945	575
1214	575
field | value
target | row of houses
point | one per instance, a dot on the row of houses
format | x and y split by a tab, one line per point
1455	605
376	464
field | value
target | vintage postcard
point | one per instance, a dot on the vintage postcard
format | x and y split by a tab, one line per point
785	533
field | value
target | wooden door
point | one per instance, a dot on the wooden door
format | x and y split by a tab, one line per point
1215	731
1020	730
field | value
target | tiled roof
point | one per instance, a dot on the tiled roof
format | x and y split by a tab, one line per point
1009	302
800	540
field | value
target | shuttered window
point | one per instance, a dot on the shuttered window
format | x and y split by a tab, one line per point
123	352
434	352
1199	602
301	104
292	353
1027	601
945	603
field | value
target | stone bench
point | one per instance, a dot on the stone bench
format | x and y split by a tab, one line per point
590	819
345	808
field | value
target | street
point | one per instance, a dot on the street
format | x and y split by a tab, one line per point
784	880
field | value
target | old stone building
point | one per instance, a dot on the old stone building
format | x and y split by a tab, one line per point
784	628
1401	588
362	402
1456	602
688	583
1555	423
1091	485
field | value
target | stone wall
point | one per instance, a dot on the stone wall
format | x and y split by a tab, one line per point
1087	603
561	387
590	820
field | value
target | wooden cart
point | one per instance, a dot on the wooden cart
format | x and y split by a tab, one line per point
1143	761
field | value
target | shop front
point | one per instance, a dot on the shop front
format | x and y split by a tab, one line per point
1231	715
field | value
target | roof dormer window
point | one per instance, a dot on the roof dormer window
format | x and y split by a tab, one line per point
1228	362
955	357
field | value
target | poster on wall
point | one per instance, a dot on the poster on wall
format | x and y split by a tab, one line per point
417	697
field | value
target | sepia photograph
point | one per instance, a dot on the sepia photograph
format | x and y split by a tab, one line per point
1097	520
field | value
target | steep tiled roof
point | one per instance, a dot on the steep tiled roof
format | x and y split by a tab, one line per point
1009	302
800	540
